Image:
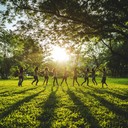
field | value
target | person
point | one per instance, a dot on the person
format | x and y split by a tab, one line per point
86	78
75	77
65	75
46	77
35	76
94	77
21	78
55	77
103	81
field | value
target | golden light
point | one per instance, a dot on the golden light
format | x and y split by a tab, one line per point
59	54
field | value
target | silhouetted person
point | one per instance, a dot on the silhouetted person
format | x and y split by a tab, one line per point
86	78
46	76
21	78
35	76
75	76
94	77
55	80
103	81
65	77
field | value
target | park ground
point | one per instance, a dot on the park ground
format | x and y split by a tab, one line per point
32	106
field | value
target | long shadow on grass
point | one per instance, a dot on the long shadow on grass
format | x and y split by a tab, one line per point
84	110
23	91
2	93
114	94
112	107
120	96
8	93
48	108
17	104
64	88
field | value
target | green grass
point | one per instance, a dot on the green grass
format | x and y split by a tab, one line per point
64	106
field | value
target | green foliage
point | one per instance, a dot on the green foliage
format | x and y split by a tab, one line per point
114	60
74	20
72	23
18	50
64	106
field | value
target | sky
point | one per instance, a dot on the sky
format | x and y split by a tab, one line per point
2	7
8	26
58	54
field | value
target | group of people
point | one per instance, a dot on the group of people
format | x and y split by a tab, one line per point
65	76
93	75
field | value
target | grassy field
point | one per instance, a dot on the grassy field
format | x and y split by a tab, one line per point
64	106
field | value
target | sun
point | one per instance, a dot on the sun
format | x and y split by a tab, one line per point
59	54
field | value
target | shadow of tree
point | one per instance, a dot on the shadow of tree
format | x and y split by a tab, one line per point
8	93
23	91
54	87
111	92
64	88
114	94
48	108
3	93
114	108
16	105
84	111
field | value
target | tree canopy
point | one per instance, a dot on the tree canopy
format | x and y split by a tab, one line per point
17	50
81	17
72	22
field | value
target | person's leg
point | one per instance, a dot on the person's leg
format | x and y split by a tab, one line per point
54	81
106	84
37	80
84	81
62	81
105	81
87	81
66	81
102	81
95	81
57	81
34	80
77	82
22	79
47	80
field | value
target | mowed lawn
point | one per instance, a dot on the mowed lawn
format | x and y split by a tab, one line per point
64	106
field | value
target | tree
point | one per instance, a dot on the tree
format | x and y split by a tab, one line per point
72	22
5	53
115	62
18	50
77	17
